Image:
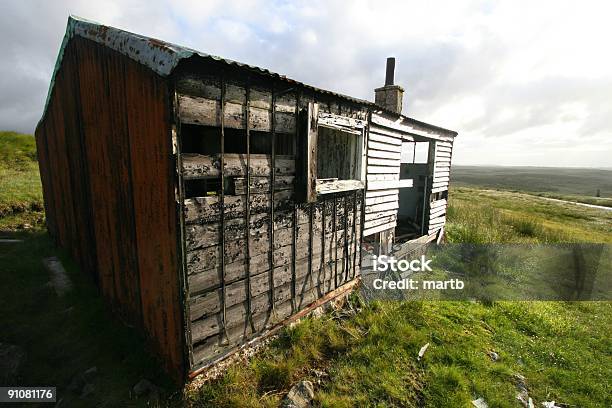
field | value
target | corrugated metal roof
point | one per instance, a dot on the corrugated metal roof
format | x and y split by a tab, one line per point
162	57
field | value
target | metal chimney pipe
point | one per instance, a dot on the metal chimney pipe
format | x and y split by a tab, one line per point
389	78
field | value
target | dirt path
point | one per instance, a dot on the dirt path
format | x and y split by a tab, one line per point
600	207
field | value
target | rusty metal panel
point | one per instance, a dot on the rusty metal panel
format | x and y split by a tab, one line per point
108	180
155	217
67	105
95	124
57	160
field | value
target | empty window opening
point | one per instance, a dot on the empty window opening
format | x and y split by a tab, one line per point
202	187
338	155
261	143
207	140
415	153
413	165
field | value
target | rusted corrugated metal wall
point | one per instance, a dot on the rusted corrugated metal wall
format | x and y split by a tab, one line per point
107	170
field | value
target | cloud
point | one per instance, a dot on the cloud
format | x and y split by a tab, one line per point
523	83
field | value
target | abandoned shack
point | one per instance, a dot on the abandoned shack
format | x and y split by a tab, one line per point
214	201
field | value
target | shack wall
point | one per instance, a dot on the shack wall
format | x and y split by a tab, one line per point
264	277
106	166
385	137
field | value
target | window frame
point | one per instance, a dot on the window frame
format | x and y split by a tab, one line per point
312	185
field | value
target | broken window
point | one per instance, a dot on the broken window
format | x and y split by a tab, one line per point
331	154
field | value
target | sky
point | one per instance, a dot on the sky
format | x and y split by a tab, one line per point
523	82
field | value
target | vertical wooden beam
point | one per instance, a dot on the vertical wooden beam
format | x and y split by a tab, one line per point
345	263
222	213
311	152
295	218
323	267
272	181
247	210
181	249
353	235
335	241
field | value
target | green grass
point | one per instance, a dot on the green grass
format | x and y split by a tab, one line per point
21	203
370	357
488	216
368	352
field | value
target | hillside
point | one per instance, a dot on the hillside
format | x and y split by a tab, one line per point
564	181
21	201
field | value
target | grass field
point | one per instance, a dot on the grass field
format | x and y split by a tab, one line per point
362	355
21	202
570	184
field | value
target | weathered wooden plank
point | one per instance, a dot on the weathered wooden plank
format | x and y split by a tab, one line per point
379	214
442	163
433	231
383	146
208	279
200	235
325	186
402	126
388	132
310	181
440	179
379	193
380	221
207	209
203	280
376	137
382	185
343	123
379	228
437	203
383	177
440	184
211	324
207	112
383	170
197	165
444	144
209	303
405	183
203	254
372	161
438	189
384	154
215	346
435	212
262	184
437	220
442	155
381	207
441	173
381	199
209	87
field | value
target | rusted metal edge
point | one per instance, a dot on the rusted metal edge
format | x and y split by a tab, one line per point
302	313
